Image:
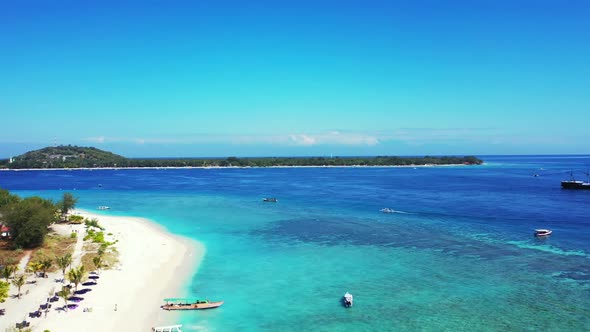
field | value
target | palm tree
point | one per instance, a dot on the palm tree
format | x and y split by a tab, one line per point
35	267
19	282
76	276
68	258
8	271
97	260
46	264
65	293
63	262
51	294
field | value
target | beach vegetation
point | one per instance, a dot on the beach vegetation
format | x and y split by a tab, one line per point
45	264
77	275
19	282
75	219
29	220
63	262
15	329
8	270
67	203
54	245
97	261
34	267
4	288
9	257
96	237
73	235
108	254
89	223
65	294
6	198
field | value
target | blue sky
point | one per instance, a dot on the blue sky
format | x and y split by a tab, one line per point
264	78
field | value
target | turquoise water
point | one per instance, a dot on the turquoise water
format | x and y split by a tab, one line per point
462	257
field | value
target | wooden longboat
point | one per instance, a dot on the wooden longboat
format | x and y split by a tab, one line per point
189	304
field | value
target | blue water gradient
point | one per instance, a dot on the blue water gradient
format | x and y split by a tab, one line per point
460	258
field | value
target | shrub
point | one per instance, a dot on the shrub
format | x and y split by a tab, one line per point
76	219
93	223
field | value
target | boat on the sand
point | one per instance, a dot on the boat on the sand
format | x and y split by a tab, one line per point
189	304
169	328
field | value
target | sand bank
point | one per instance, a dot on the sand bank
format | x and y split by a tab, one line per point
154	264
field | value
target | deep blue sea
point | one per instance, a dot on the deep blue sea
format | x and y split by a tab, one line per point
462	256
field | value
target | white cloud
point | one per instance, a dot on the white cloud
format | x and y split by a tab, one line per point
420	136
329	138
334	138
98	139
301	139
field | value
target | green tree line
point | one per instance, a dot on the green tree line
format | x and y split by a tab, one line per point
29	218
87	157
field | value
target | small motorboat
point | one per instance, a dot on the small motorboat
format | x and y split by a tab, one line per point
347	300
104	207
270	199
387	210
542	232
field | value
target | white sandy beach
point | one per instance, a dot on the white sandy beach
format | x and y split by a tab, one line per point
154	264
226	167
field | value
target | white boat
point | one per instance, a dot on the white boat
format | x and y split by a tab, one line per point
543	232
348	300
103	207
387	210
169	328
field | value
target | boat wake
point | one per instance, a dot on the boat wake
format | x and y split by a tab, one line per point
388	210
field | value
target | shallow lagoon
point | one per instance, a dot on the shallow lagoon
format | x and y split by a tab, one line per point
462	257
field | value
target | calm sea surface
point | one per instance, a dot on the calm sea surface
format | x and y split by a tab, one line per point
460	258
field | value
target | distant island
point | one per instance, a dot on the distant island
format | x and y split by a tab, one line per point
68	156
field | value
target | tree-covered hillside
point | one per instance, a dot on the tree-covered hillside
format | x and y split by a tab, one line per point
89	157
67	157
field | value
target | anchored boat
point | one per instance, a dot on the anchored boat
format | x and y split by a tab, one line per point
543	232
347	300
572	183
189	304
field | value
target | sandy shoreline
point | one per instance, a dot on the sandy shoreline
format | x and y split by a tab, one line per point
154	264
227	167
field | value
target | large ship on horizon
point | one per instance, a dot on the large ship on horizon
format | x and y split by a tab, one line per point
572	183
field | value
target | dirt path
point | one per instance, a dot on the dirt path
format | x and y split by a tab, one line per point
22	265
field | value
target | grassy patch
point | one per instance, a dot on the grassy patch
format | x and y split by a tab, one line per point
110	258
9	256
54	245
